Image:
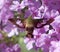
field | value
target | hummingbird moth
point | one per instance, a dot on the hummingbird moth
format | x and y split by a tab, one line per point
29	24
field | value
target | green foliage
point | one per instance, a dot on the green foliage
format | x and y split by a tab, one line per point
20	40
22	44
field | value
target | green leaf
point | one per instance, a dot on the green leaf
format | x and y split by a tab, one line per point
23	46
40	50
22	34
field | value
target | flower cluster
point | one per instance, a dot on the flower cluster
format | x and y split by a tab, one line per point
39	18
9	48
